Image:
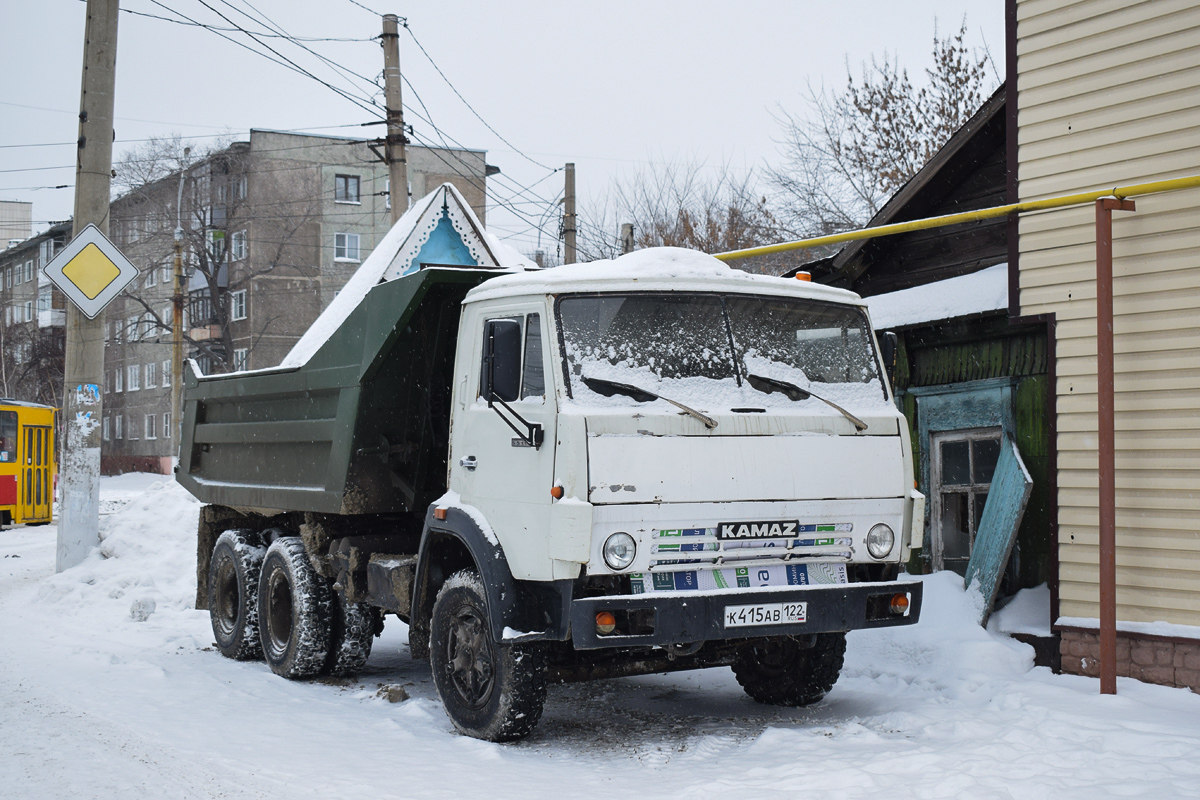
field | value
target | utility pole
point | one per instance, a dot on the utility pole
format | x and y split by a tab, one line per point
177	314
394	149
569	227
626	238
79	518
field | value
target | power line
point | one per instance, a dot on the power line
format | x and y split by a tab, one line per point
417	42
233	30
281	60
364	8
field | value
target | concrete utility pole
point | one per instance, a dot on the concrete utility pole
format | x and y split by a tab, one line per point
177	314
396	160
569	227
79	518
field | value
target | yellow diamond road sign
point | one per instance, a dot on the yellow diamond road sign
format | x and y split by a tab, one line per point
91	271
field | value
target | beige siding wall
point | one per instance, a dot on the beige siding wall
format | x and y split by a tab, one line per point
1109	94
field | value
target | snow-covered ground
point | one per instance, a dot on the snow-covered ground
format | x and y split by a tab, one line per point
110	687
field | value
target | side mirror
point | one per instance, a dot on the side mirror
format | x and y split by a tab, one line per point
502	360
891	347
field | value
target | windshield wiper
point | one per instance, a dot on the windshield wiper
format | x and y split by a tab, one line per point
794	392
609	388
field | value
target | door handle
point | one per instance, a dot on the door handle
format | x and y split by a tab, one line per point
469	462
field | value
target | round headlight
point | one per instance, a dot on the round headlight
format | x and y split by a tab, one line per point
880	540
619	550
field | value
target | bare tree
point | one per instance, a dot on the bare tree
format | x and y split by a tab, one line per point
679	205
852	149
221	259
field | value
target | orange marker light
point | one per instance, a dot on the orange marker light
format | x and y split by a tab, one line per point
439	513
556	492
803	276
899	603
605	623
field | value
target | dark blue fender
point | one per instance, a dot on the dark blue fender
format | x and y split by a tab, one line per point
540	608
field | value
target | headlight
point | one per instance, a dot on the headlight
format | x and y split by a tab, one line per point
619	550
880	540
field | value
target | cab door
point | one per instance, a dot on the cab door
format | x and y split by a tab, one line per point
502	444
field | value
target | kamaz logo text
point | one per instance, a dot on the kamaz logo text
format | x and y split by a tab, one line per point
758	530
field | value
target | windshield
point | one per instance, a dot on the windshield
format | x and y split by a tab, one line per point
704	345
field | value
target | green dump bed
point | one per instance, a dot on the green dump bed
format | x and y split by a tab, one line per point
361	428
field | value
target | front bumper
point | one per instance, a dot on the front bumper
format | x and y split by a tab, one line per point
684	618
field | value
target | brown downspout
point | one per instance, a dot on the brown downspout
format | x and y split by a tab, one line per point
1106	440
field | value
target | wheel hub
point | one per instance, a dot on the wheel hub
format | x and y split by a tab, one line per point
470	658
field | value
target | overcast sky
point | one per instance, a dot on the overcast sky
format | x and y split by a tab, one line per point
613	86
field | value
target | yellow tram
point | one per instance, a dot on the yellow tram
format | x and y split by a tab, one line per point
28	468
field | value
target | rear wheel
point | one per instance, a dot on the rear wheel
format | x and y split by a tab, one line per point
491	690
233	593
294	607
791	670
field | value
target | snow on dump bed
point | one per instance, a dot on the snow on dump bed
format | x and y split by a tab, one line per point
985	290
110	688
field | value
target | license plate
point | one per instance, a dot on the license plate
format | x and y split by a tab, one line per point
765	614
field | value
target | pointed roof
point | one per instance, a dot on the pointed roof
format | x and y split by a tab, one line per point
440	229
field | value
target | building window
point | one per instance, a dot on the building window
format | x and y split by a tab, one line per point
168	315
239	358
237	305
104	433
166	425
118	383
132	328
216	246
345	247
151	426
29	270
148	326
29	311
151	279
961	473
237	246
134	377
116	331
166	276
240	188
151	375
166	372
131	429
117	418
345	189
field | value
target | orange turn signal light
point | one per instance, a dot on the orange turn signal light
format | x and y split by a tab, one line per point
803	276
556	492
605	623
899	603
439	513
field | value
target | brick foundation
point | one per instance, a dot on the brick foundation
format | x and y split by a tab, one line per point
1149	659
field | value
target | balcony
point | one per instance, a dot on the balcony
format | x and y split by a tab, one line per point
205	333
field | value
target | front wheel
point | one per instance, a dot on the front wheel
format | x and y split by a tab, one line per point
791	670
490	690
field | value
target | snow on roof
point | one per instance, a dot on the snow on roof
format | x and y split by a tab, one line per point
985	290
404	238
655	267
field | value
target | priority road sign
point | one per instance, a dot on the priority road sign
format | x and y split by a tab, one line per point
91	271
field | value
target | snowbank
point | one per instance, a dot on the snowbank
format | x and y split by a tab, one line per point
109	688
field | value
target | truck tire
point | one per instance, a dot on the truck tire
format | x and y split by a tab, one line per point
493	691
789	671
350	637
233	594
294	608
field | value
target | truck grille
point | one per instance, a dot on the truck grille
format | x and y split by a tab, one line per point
672	549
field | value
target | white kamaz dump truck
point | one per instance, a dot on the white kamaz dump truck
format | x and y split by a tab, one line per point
650	464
